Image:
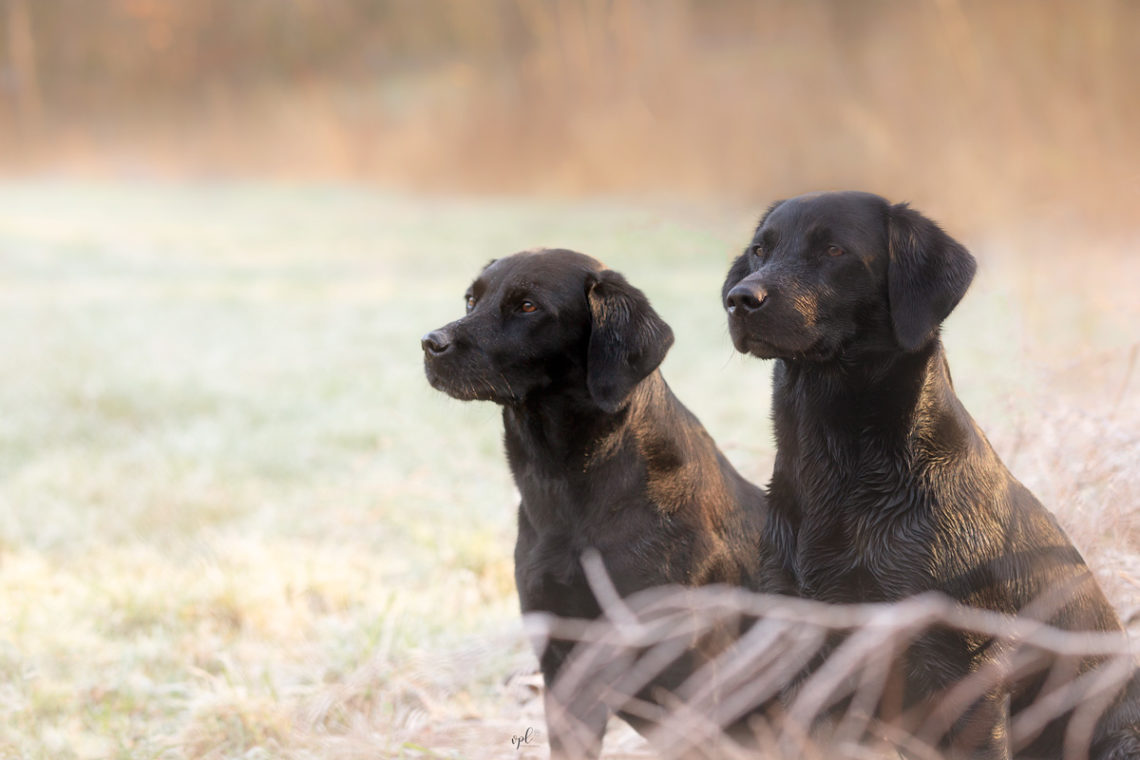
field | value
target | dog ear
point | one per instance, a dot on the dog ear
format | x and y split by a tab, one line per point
928	274
628	340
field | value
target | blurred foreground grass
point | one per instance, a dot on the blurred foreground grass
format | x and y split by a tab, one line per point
236	522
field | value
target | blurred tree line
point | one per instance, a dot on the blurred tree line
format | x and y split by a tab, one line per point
985	102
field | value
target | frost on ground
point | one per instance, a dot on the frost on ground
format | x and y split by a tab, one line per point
236	522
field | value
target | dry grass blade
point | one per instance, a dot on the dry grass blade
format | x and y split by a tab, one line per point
832	708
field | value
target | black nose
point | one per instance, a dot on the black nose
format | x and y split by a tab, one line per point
743	300
436	342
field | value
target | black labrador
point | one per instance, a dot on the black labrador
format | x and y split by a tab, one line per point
883	485
604	455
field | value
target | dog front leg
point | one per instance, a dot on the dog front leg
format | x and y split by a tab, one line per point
576	729
983	732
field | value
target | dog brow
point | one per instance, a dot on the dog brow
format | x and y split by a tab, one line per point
818	234
518	290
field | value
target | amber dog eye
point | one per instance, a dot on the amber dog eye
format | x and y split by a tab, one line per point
758	251
470	303
527	307
834	250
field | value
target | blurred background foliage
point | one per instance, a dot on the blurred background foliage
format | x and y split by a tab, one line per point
236	522
983	108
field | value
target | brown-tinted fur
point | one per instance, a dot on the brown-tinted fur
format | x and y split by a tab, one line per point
604	455
883	486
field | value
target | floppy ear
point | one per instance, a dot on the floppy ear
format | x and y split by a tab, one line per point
628	340
928	274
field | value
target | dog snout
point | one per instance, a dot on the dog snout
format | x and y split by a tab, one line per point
436	342
744	299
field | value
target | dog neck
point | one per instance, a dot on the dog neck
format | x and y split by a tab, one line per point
560	426
835	421
558	447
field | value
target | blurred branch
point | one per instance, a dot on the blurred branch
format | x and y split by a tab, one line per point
641	636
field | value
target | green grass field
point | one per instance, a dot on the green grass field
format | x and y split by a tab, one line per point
235	521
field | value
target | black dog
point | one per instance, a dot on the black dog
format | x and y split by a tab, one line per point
604	456
883	486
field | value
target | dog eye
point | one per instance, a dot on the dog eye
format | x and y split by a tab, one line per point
527	307
834	250
758	251
470	303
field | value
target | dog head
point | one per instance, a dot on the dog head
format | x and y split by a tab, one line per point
840	275
548	321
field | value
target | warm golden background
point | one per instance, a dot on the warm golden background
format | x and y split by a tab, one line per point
234	519
987	107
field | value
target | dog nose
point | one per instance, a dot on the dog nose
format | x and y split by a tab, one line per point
743	300
436	342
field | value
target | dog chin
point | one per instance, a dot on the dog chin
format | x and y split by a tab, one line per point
472	390
459	390
763	349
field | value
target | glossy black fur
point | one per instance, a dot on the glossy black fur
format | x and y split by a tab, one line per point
604	455
883	486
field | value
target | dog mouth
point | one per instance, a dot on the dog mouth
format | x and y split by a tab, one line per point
446	380
757	347
462	384
768	346
446	384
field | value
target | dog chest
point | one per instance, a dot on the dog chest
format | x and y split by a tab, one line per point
863	539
